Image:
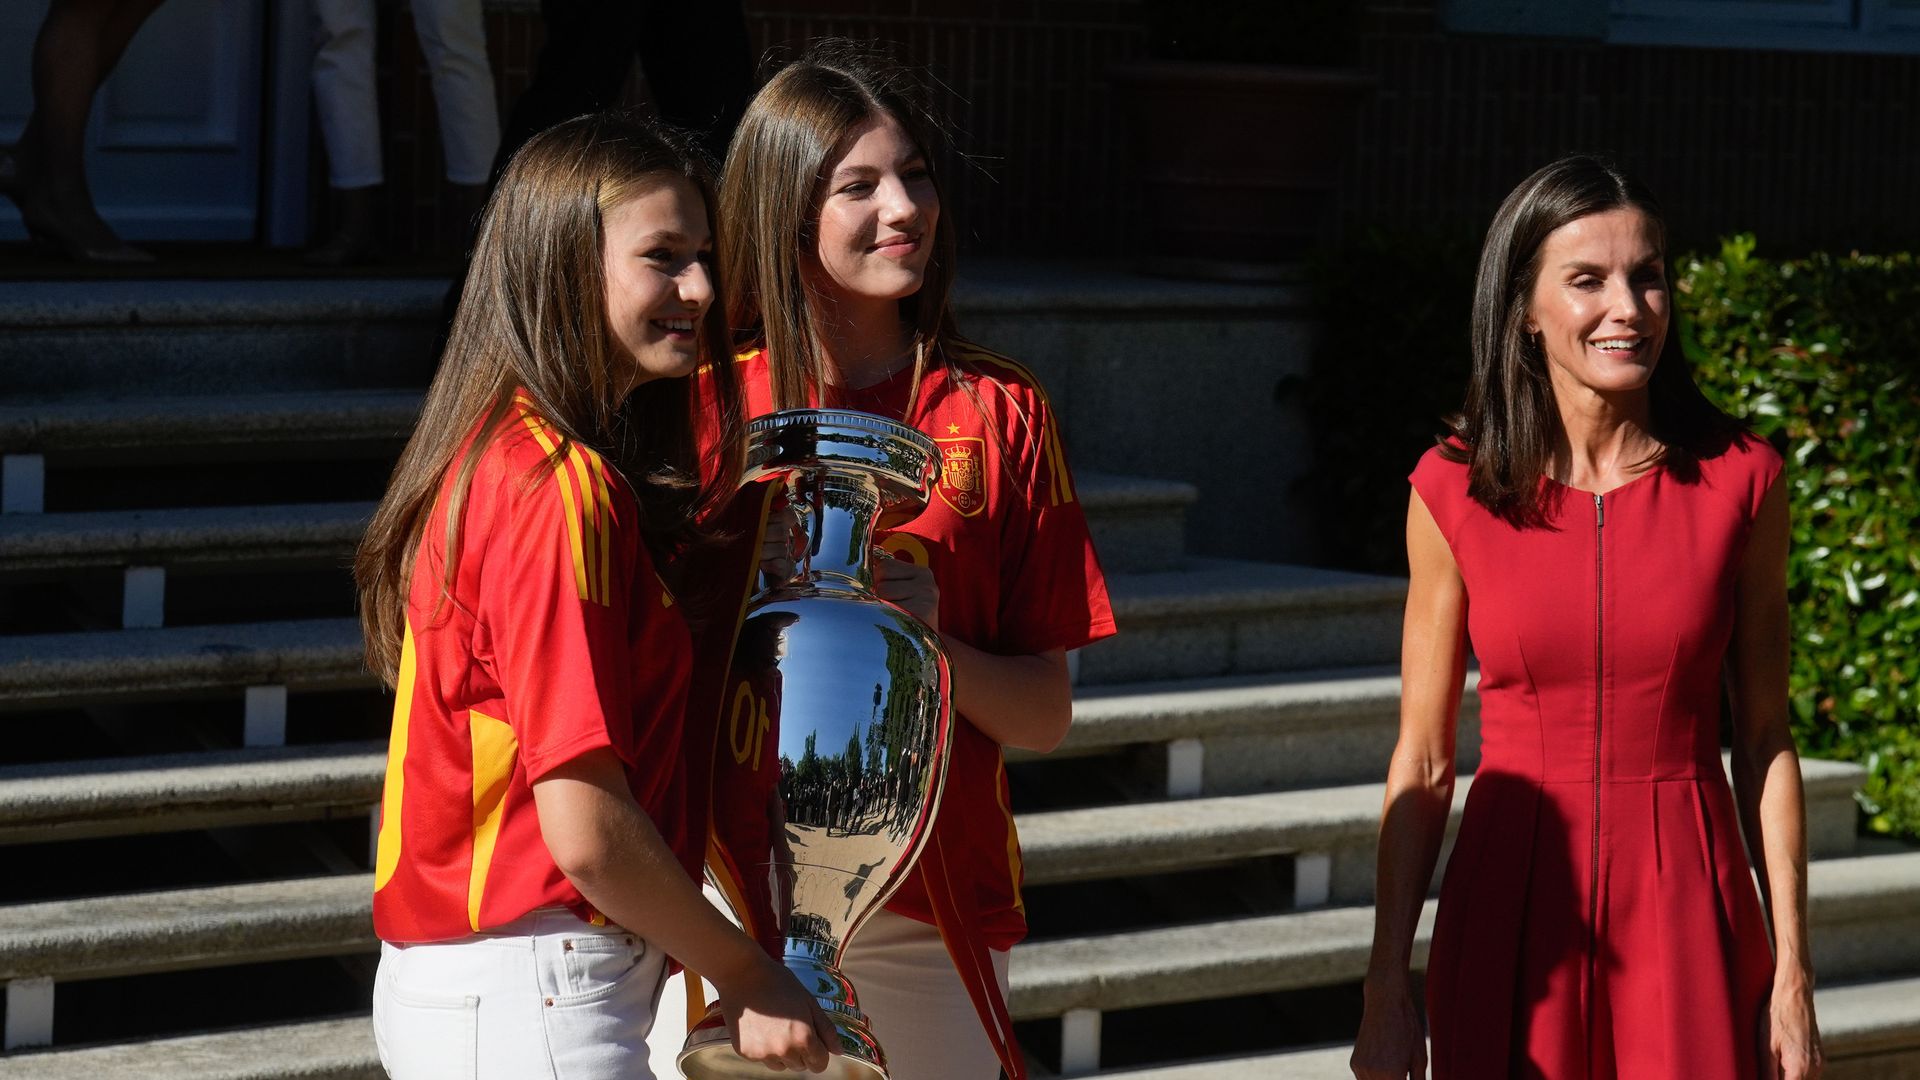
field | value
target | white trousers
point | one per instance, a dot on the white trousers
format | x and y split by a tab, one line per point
907	986
453	38
546	997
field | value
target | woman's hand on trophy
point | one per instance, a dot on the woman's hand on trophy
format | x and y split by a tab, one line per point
907	584
780	543
774	1020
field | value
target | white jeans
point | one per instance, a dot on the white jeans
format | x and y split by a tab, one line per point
546	997
454	41
907	986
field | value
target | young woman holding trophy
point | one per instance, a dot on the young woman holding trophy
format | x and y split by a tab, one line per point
841	256
525	894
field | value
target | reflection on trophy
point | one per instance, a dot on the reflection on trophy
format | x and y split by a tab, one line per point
834	735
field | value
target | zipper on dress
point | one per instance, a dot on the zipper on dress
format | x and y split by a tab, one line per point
1599	695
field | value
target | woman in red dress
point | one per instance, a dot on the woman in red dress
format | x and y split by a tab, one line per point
1612	546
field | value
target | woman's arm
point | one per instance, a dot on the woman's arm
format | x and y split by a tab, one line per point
610	850
1433	661
1024	701
1766	782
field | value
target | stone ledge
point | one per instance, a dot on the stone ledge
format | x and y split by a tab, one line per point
174	537
335	1049
48	669
142	423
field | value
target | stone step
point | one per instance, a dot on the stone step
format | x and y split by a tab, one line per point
1226	616
1331	832
173	792
1264	732
1869	1031
1864	918
360	422
1137	526
1218	616
334	1049
304	532
217	337
43	670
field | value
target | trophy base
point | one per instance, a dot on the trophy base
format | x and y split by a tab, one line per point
709	1054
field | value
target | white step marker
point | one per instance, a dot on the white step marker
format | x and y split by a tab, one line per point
23	484
266	723
29	1013
1079	1041
1312	879
144	603
1186	765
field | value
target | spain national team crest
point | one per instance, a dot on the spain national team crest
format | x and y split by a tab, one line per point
963	464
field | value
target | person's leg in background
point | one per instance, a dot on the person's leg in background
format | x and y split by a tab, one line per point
453	38
348	105
917	1004
79	44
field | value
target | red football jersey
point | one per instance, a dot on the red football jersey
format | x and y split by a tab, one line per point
558	639
1007	541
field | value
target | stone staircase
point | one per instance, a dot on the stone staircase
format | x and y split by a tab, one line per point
195	747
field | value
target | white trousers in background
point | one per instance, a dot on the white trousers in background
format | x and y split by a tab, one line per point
907	986
916	1002
546	997
454	41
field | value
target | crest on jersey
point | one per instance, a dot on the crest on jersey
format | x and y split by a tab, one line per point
963	484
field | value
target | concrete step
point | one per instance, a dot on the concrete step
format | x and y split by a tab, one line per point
142	933
1264	732
217	337
1219	616
1330	831
1138	525
43	670
200	536
362	422
1869	1031
1225	617
334	1049
173	792
1864	917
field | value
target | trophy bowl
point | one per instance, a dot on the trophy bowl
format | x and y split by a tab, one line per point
833	742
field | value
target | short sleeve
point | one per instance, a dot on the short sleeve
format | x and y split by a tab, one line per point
1759	468
554	594
1055	594
1442	487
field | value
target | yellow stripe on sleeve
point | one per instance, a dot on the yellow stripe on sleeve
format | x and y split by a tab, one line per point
573	511
598	467
392	795
590	523
494	751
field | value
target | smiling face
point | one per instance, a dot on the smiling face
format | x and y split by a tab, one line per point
656	258
1600	303
877	216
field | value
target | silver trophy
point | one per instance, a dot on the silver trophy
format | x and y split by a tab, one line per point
836	723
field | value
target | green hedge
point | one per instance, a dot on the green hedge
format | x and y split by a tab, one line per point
1820	354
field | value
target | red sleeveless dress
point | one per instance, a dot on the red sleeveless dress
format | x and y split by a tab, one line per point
1599	918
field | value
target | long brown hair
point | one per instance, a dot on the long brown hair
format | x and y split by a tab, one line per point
770	198
1507	430
532	318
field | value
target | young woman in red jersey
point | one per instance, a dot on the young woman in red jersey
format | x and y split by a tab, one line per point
842	253
525	890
